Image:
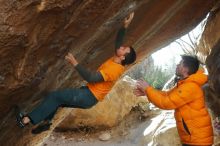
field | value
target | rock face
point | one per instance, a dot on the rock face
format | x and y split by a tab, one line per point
35	35
211	37
162	131
108	113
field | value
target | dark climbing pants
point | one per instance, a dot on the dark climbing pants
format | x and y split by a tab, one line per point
74	98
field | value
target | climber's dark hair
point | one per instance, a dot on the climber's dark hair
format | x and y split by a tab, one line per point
129	57
191	62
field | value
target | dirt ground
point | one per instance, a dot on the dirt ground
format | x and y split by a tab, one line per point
130	132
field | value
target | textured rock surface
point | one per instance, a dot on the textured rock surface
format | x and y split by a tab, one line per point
162	131
211	37
108	113
35	35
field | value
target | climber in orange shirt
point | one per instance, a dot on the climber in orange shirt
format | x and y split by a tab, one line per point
99	84
187	99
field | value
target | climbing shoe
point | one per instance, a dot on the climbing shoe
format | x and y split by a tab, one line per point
41	127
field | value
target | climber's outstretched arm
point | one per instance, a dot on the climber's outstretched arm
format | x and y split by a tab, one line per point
122	31
87	75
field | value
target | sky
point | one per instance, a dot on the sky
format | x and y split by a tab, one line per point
166	54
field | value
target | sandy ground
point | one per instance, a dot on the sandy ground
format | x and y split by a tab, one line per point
135	130
130	132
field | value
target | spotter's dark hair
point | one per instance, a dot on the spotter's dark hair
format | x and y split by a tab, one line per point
191	62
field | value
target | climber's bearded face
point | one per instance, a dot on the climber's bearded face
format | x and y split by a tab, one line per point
122	51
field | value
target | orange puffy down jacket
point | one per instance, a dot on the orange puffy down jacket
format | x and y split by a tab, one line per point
192	118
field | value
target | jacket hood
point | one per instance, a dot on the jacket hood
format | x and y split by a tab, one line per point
199	78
